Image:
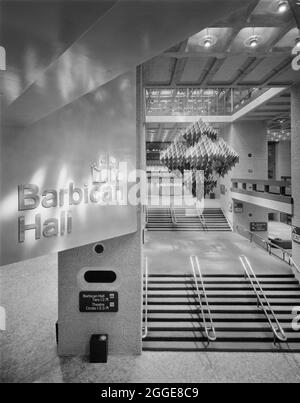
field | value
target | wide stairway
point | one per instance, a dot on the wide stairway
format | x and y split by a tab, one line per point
174	318
186	219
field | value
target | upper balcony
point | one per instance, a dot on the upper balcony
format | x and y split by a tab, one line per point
273	195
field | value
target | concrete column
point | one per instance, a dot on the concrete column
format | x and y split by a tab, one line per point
295	98
249	140
283	159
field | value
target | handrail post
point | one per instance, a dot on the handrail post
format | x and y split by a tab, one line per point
211	329
263	301
269	246
145	281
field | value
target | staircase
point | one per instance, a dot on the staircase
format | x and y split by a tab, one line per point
174	319
186	219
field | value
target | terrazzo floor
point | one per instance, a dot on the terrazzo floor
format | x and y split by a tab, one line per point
179	368
218	253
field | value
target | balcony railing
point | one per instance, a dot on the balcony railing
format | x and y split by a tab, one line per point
280	191
269	246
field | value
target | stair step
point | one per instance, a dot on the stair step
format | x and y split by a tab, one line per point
220	346
175	321
199	335
233	310
213	304
218	325
223	337
224	282
228	287
225	276
238	317
191	291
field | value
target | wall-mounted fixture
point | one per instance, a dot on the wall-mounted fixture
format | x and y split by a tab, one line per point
100	276
99	249
283	6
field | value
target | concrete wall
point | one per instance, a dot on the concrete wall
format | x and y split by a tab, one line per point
249	140
283	159
57	152
122	255
295	97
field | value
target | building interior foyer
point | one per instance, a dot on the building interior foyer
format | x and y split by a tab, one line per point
207	278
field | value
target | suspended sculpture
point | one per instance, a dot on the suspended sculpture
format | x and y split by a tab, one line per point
201	149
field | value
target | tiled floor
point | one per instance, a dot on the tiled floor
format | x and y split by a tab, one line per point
28	347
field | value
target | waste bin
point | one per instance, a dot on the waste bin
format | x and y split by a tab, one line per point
99	348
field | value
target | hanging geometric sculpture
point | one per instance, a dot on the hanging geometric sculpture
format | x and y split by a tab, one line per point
203	150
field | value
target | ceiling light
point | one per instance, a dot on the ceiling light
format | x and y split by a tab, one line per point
208	42
283	6
253	42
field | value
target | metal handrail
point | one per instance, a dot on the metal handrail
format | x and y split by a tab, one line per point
147	217
262	300
228	221
174	221
209	329
293	264
269	245
145	279
201	218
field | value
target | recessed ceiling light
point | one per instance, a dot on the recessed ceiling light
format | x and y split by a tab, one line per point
283	6
253	42
208	42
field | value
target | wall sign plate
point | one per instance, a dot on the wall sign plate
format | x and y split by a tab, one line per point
259	227
98	301
238	207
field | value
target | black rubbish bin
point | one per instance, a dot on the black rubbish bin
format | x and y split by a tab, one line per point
99	348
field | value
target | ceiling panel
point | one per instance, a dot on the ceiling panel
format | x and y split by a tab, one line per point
288	40
265	35
194	69
269	8
288	76
221	36
228	71
230	63
264	69
160	69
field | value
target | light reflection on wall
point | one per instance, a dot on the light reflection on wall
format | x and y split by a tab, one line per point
76	73
32	68
60	150
12	87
